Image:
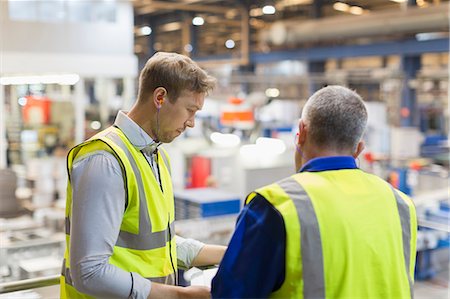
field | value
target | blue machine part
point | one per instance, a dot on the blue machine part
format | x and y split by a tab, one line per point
205	202
403	182
432	146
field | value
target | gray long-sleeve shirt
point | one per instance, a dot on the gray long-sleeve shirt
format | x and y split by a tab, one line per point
98	206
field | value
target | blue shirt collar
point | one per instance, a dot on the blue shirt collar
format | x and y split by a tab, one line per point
329	163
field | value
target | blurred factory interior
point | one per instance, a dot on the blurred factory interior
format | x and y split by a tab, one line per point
67	67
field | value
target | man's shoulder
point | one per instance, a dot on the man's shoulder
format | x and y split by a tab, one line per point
97	155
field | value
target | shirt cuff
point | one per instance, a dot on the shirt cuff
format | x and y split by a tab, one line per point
141	287
187	250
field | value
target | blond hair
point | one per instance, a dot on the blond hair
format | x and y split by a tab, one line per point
176	73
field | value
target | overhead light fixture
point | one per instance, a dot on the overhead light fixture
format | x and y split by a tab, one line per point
399	1
145	30
422	3
65	79
256	12
230	44
356	10
269	10
198	21
341	6
431	35
22	101
95	125
188	48
272	92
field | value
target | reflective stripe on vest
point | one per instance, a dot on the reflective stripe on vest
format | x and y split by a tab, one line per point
405	218
311	245
169	279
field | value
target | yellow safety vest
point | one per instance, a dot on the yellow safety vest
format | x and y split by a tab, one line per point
146	243
349	234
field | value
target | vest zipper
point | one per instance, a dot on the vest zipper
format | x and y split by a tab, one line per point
168	221
157	169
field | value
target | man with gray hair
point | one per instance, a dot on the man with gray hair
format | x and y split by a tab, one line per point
328	231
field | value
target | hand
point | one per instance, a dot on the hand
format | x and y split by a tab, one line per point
195	292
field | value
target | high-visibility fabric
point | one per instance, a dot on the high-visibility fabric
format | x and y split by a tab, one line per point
146	243
349	234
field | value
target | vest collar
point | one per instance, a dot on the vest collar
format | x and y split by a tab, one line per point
135	134
329	163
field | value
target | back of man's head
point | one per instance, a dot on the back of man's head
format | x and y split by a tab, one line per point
176	73
336	118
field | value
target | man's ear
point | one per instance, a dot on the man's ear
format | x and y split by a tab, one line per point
159	95
302	132
359	148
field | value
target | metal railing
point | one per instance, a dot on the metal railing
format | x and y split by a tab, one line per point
34	283
27	284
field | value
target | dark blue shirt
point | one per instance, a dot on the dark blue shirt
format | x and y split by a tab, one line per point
254	263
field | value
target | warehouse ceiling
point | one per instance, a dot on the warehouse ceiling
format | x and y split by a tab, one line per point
165	25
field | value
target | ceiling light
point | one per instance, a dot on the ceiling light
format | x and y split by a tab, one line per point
431	35
268	10
256	12
272	92
95	125
422	3
230	44
22	101
399	1
198	21
145	30
340	6
356	10
231	14
188	48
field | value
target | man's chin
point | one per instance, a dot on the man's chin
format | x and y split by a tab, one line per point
167	139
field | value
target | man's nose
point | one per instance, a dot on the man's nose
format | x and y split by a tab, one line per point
190	122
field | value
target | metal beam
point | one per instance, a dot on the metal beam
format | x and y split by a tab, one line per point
155	5
409	112
407	47
245	36
186	36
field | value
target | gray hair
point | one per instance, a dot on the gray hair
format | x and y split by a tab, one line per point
336	118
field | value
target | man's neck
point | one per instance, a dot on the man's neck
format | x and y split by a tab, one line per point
314	152
144	118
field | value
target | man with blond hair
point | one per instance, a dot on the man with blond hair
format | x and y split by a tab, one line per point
121	240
